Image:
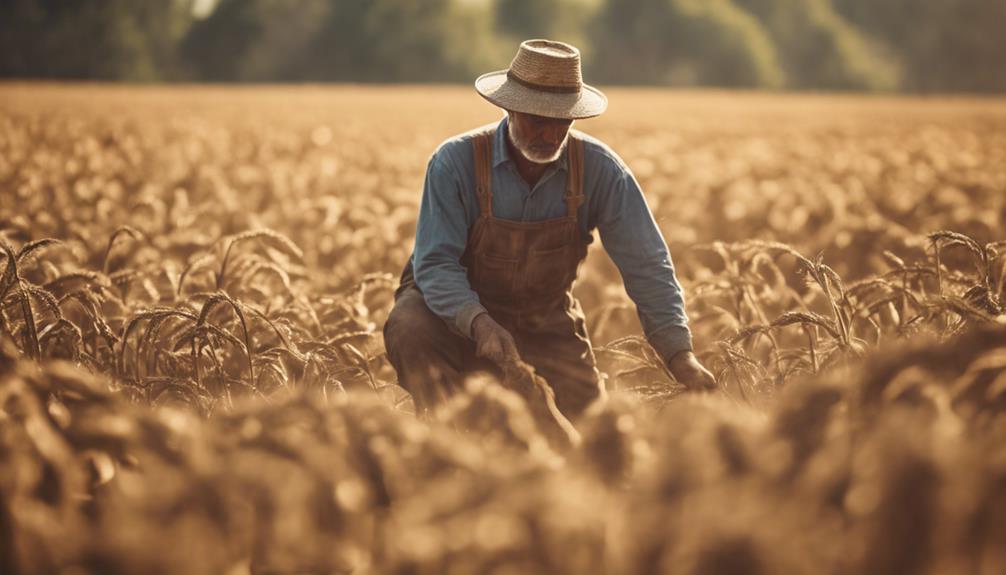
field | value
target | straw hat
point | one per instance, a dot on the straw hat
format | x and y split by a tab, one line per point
543	79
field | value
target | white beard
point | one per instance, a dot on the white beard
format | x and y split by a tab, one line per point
531	155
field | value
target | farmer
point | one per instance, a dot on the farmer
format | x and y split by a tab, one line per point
506	216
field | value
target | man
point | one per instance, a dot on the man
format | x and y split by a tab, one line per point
505	220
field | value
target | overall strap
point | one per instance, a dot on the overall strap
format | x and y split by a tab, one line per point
483	148
574	176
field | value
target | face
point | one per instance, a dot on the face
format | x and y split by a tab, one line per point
537	138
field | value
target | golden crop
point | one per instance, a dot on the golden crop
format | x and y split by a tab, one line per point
192	376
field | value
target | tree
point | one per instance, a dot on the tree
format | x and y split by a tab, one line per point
819	49
684	42
97	39
342	40
951	45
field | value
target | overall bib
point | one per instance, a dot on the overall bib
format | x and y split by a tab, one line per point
523	273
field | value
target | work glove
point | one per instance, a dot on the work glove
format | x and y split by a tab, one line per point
493	341
687	369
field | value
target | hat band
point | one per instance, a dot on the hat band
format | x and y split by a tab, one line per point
542	87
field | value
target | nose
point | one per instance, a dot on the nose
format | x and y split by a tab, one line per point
554	133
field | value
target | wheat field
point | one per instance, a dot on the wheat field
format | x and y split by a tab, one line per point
192	376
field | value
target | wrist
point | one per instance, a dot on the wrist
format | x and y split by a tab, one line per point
669	341
684	355
482	323
478	319
465	319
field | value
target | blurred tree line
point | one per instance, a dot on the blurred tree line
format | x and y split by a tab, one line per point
911	45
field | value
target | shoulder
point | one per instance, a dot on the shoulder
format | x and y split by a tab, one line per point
455	153
599	156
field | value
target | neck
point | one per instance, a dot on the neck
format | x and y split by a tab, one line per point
529	171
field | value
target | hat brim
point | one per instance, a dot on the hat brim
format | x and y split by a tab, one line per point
509	95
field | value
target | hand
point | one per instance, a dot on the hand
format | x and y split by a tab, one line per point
493	341
687	369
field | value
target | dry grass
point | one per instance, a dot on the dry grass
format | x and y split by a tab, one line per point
192	377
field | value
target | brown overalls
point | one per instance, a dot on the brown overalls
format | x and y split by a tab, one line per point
522	272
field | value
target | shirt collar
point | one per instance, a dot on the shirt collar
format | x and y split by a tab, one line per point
501	152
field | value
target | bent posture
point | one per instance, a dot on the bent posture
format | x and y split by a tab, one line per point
507	213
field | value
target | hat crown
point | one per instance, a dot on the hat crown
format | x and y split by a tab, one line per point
547	64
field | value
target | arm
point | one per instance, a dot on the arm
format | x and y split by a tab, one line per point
634	242
441	235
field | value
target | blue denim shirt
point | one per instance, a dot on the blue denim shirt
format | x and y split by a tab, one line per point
614	205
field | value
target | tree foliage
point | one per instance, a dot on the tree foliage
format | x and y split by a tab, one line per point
97	39
818	48
877	45
684	42
951	44
344	40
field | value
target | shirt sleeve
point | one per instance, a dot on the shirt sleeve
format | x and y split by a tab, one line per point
634	242
441	235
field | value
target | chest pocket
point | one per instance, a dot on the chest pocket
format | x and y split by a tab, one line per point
551	268
495	276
